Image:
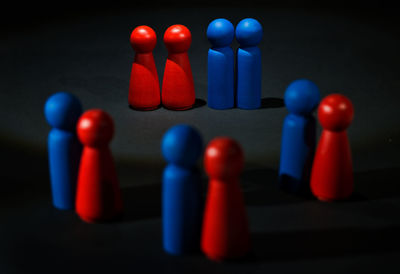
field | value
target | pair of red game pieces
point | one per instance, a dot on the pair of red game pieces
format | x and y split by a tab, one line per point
177	87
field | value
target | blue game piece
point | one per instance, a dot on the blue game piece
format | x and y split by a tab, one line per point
221	91
181	190
298	136
249	34
62	111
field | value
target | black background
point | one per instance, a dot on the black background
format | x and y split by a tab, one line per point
290	234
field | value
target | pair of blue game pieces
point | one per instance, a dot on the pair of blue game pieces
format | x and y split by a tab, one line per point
220	32
228	88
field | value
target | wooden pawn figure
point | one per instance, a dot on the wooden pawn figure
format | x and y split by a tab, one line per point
221	62
249	33
144	86
182	202
178	86
62	111
98	195
298	136
225	232
332	171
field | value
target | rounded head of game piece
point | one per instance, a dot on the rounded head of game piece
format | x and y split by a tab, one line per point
143	39
182	145
249	32
220	32
62	110
335	112
302	97
177	38
95	128
223	158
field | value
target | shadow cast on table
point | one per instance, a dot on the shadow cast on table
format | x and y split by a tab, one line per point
141	202
378	184
272	102
260	187
370	186
335	242
269	102
198	103
144	110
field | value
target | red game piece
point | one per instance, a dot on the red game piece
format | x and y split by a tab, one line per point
332	171
225	228
98	196
144	86
178	87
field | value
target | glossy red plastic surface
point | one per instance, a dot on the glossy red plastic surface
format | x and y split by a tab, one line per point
144	86
225	233
332	171
178	86
98	196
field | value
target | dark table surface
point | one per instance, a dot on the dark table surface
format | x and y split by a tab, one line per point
89	55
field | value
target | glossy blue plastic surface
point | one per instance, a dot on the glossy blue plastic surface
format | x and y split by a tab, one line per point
64	157
182	201
221	90
181	209
302	97
248	79
182	145
298	136
62	111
